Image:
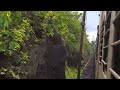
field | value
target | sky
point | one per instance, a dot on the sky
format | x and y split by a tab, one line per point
92	20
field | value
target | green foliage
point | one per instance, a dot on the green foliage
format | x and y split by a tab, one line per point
62	21
9	73
24	57
71	73
13	31
16	27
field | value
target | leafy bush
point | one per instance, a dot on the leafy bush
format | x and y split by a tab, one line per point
17	27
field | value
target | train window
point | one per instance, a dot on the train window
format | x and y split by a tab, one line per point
116	48
108	17
117	32
105	57
106	40
104	44
116	63
105	54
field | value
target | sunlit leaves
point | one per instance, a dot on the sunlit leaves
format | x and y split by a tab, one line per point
13	28
1	21
2	48
14	45
4	19
24	57
3	71
66	23
13	74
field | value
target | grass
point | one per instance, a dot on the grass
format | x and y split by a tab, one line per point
71	72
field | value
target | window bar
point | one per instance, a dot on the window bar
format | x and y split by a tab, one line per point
106	32
114	73
117	17
104	62
115	43
108	16
105	47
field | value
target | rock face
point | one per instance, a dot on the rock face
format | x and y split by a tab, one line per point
47	61
56	62
37	66
55	59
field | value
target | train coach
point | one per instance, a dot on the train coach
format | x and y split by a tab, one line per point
108	46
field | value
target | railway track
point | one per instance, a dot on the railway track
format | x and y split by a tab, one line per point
89	70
